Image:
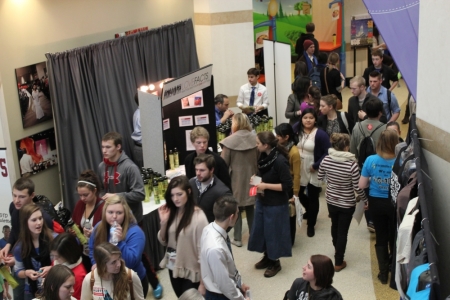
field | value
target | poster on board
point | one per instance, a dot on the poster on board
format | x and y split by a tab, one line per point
194	100
361	32
5	191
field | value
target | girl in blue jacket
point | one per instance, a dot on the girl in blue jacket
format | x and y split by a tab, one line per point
129	236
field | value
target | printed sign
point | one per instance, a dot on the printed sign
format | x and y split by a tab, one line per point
186	85
5	191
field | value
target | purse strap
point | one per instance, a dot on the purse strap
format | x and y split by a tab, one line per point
95	208
130	283
326	83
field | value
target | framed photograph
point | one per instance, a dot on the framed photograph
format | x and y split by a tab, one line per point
201	120
189	146
192	101
185	121
166	124
34	94
37	152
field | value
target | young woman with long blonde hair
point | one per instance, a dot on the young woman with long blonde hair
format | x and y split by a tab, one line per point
130	237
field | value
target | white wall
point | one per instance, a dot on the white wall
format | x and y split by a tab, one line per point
433	107
31	28
227	45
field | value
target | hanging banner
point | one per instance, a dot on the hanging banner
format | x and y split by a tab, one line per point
398	23
186	85
5	191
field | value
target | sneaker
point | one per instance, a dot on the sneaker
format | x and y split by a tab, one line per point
273	269
236	243
310	231
340	267
371	228
158	292
263	263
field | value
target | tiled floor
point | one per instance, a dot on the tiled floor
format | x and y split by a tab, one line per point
354	282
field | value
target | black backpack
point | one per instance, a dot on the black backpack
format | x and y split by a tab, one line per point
367	146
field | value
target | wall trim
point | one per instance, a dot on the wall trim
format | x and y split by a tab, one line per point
434	139
222	18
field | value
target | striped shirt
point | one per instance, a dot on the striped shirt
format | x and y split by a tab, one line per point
342	180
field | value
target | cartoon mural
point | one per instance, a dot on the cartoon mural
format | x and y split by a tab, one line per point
280	20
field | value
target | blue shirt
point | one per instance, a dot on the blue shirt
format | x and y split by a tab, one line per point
3	243
219	115
383	96
379	170
136	135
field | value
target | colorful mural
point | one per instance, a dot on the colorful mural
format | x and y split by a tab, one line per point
280	20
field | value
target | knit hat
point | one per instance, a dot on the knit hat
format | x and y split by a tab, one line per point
307	44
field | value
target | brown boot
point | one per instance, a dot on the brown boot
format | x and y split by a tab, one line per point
273	269
340	267
263	263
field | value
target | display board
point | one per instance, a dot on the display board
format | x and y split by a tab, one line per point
277	61
5	190
181	116
187	101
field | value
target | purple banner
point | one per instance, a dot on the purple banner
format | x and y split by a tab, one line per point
398	23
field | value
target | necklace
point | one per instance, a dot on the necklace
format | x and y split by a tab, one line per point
305	138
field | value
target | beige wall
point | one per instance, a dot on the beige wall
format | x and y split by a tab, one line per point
31	28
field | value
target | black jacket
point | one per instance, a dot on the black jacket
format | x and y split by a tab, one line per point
278	173
353	108
322	123
299	44
387	75
220	170
300	289
206	200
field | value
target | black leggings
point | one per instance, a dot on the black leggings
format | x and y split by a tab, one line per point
144	282
383	216
181	285
310	202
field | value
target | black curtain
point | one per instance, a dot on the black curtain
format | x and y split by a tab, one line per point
93	87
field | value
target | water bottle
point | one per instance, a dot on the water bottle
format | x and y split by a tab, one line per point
171	160
112	234
176	158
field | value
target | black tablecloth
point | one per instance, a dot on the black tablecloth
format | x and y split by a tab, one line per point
153	247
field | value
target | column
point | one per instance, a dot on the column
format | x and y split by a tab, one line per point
224	37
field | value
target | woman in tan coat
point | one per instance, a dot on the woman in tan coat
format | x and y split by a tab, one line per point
241	155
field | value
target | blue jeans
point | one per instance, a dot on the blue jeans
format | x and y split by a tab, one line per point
18	292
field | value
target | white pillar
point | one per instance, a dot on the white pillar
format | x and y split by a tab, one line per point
224	38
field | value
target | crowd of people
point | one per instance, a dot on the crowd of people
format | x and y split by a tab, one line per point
260	174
